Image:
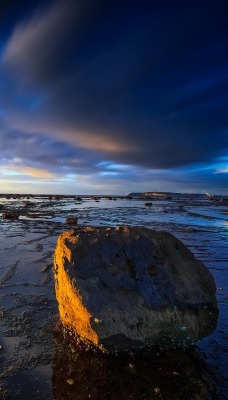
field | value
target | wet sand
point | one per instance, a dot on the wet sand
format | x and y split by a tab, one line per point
37	362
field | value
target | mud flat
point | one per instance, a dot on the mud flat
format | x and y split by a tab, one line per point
39	361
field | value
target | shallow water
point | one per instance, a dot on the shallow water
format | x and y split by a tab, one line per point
37	362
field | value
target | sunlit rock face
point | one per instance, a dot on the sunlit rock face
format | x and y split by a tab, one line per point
128	287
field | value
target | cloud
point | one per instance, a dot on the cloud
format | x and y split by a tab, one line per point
144	86
14	170
45	39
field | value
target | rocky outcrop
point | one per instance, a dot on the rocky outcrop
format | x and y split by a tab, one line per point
128	287
11	215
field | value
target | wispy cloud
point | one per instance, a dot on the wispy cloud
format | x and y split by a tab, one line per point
15	169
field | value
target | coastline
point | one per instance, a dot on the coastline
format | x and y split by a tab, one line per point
29	312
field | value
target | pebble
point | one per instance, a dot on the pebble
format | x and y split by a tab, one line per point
70	381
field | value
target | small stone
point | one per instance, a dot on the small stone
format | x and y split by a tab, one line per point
70	381
72	221
152	270
183	328
10	215
157	390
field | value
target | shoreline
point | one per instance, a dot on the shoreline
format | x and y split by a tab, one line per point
28	306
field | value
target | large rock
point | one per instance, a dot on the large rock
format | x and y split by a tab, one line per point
127	287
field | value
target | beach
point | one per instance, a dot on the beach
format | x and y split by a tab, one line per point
37	361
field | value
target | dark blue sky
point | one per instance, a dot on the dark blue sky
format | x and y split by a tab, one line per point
114	96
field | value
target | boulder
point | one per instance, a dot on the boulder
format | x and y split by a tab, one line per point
129	287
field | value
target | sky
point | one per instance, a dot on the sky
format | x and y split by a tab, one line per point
110	97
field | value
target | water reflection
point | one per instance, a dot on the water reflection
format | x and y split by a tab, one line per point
170	375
